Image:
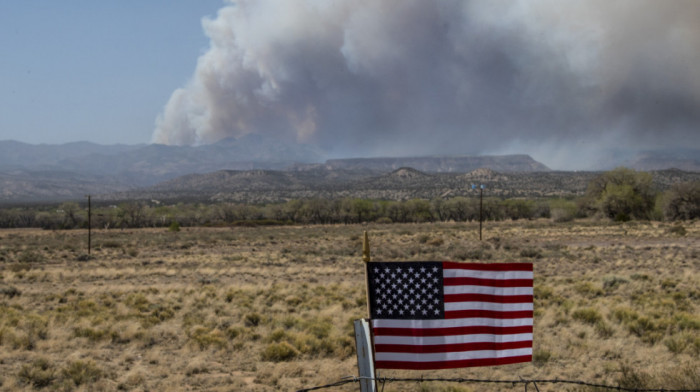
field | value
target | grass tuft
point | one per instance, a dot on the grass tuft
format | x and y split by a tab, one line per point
587	315
39	374
279	352
82	372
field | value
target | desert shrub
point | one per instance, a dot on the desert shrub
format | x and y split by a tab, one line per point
668	284
685	377
603	329
319	327
260	222
543	292
588	289
82	372
279	352
111	244
174	227
91	334
678	230
205	337
437	241
587	315
562	210
531	253
234	332
20	267
10	291
21	330
463	254
624	315
31	256
678	343
277	336
540	357
646	329
685	321
633	379
39	374
612	282
252	319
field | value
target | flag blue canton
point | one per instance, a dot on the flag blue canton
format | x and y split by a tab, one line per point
406	290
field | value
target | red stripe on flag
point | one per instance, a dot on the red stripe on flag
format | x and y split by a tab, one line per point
457	314
425	332
488	267
499	299
451	364
465	281
448	348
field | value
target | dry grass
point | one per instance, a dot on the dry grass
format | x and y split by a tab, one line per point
266	309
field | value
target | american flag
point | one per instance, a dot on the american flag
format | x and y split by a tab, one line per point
440	315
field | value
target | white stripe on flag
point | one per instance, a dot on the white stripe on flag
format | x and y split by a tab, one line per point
499	275
488	290
452	356
454	339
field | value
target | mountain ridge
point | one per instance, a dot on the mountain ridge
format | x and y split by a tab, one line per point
270	186
70	171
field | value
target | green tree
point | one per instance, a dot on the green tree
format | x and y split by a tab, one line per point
440	209
362	209
70	213
562	210
621	194
132	214
461	209
519	209
682	201
419	210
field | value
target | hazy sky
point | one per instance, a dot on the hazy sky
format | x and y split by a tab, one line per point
94	70
560	80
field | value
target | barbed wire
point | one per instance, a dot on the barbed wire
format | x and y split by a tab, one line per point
534	382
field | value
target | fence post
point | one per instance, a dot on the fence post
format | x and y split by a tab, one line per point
365	360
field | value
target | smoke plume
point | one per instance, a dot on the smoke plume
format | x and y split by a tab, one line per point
559	80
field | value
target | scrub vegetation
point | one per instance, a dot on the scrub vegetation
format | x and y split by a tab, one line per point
270	308
620	195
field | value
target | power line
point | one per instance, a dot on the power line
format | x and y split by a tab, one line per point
534	382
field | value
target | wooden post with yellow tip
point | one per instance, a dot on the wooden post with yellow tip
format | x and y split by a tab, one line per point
365	249
363	335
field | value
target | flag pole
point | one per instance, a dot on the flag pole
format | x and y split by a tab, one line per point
363	334
366	258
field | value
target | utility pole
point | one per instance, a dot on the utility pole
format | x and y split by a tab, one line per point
481	208
481	205
89	224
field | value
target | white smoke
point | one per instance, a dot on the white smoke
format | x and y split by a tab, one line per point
397	77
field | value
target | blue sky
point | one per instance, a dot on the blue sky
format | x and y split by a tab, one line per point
91	70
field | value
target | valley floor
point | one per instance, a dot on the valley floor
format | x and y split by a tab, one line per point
267	309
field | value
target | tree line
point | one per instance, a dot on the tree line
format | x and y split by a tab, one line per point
621	194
